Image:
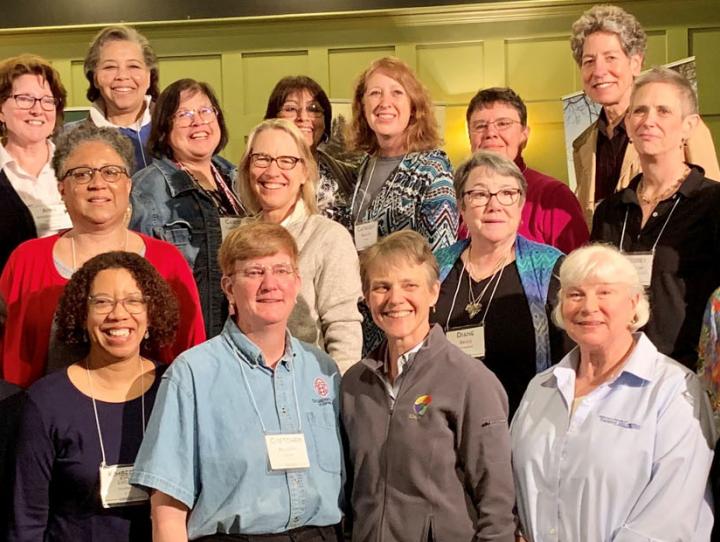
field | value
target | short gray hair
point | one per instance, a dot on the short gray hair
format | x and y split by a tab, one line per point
489	161
607	264
610	19
670	77
72	138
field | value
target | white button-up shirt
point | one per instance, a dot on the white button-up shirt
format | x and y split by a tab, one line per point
631	462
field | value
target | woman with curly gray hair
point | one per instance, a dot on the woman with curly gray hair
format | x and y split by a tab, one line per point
608	45
82	427
92	165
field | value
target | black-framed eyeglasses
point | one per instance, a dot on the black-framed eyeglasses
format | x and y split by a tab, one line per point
500	125
292	111
84	174
25	101
480	198
105	305
261	160
185	117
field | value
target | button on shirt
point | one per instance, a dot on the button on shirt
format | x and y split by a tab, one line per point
205	444
630	463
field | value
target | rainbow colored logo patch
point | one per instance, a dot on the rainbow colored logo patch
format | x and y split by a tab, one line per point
421	404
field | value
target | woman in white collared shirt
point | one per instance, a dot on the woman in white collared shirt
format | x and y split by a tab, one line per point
615	442
32	100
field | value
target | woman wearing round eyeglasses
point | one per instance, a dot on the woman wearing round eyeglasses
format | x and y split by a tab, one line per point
185	196
302	100
32	99
277	182
497	286
82	426
92	164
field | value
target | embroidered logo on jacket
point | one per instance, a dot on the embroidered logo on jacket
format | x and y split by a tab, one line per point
421	404
321	387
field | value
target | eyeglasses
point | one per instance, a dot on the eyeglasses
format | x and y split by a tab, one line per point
84	174
259	159
105	305
186	117
25	101
500	125
258	272
291	111
480	198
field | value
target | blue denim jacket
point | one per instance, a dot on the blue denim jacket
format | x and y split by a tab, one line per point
168	205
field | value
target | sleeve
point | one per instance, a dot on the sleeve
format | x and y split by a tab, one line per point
337	290
437	215
598	219
484	450
34	459
682	456
700	150
709	352
564	221
143	205
167	459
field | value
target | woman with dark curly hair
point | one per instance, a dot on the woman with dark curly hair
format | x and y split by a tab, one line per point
81	427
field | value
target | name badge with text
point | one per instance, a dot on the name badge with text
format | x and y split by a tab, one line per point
115	488
643	263
50	218
287	451
470	340
366	234
228	224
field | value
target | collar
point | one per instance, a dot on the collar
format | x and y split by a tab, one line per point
433	343
249	353
97	115
299	214
689	188
404	360
520	163
6	159
602	123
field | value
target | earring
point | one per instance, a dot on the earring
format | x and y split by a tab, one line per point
432	309
147	334
231	309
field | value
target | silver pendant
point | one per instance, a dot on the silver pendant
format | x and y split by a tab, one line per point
473	308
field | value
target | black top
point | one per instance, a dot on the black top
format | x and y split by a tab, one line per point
11	401
16	221
509	332
686	266
57	489
609	156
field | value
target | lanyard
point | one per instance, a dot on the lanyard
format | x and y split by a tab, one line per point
492	294
627	210
252	396
370	176
237	207
97	419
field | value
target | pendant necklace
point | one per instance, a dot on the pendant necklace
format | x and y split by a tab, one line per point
474	305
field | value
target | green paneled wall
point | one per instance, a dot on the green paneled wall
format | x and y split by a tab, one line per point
455	50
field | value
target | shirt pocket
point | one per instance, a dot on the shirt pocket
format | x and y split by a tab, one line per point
326	440
180	234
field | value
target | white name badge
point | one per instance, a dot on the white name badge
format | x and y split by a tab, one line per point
470	340
643	263
287	451
50	218
366	234
228	224
115	488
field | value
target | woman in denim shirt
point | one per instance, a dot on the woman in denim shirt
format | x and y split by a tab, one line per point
185	196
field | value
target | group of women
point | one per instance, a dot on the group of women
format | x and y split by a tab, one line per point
141	242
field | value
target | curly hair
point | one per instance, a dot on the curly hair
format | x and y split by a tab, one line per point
71	139
162	305
421	133
613	20
297	83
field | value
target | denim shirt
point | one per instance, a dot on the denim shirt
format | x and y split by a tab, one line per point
168	205
205	445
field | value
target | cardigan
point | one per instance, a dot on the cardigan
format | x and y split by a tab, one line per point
535	263
16	220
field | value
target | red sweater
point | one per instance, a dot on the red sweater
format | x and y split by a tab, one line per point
32	286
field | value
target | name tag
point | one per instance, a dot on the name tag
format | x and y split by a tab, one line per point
470	340
287	451
643	263
50	218
366	234
115	488
228	224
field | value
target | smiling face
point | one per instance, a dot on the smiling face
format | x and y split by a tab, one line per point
387	109
265	298
122	77
198	141
607	72
277	189
295	109
494	223
400	297
119	333
97	203
597	315
507	142
655	122
28	126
